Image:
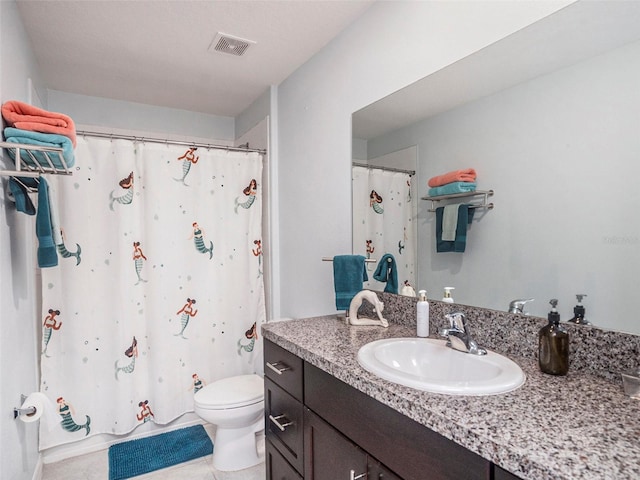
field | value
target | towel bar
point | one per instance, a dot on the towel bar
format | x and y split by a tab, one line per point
367	260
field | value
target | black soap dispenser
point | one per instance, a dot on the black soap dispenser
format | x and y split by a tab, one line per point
579	312
553	345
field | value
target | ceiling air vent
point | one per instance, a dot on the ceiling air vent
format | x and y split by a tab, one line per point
229	44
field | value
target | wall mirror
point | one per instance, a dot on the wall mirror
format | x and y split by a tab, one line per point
549	117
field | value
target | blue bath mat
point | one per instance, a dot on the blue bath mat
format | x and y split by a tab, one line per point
136	457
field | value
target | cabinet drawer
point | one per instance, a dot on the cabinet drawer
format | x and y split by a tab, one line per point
283	368
277	467
284	424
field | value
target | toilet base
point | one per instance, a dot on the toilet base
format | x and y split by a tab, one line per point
236	448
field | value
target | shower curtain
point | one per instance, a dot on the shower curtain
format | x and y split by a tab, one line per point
158	289
383	221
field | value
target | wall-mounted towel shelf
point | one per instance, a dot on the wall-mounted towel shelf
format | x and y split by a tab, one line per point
485	194
37	165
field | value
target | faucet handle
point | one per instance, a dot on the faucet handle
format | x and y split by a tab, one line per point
517	306
457	321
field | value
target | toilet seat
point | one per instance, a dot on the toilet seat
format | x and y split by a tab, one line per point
231	392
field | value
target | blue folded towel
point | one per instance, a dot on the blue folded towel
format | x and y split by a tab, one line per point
452	188
387	272
47	256
348	274
15	135
465	216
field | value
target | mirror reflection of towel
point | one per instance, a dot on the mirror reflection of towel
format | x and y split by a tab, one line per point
450	222
348	274
387	272
465	216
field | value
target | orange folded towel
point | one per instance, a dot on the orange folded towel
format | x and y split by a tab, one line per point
27	117
465	175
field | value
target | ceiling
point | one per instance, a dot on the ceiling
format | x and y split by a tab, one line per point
157	51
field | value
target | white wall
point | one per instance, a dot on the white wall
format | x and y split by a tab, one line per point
137	117
392	45
20	332
561	152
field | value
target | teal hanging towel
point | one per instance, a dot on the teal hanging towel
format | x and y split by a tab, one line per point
459	244
387	272
348	274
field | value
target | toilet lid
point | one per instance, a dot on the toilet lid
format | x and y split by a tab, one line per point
231	392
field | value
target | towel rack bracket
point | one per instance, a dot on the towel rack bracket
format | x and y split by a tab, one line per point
484	201
38	168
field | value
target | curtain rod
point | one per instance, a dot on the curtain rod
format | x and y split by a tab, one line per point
388	169
241	148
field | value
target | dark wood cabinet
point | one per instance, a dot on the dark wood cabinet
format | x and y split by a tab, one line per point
502	474
377	471
334	432
410	450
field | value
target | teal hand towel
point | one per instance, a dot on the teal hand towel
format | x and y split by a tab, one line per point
20	195
15	135
452	188
47	256
348	274
387	272
465	216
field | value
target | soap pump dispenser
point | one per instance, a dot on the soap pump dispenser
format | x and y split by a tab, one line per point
579	311
553	344
422	315
447	294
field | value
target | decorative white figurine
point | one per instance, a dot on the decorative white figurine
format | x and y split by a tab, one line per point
372	298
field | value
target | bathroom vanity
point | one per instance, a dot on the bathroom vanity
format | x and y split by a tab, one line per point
327	418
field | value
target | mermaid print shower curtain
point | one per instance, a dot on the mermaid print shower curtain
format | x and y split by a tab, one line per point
158	289
383	221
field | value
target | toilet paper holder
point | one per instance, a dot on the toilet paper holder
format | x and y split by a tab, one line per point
23	411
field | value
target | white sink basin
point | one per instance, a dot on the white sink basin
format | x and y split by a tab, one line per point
428	364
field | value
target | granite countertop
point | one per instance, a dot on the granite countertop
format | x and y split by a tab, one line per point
579	426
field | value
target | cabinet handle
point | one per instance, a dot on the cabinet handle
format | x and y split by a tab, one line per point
281	426
273	366
353	476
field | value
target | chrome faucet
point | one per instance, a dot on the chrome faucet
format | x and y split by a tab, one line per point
458	335
517	306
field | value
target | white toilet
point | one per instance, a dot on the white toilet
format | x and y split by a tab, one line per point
236	406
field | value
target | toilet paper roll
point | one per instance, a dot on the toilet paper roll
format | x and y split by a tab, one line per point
44	409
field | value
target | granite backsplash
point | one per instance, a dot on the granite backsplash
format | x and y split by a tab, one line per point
604	353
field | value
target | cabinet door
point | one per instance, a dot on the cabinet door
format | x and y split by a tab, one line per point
377	471
277	467
502	474
328	454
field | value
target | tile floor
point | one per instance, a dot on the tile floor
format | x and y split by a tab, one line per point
95	466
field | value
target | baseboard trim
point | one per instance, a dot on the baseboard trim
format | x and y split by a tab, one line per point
37	474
